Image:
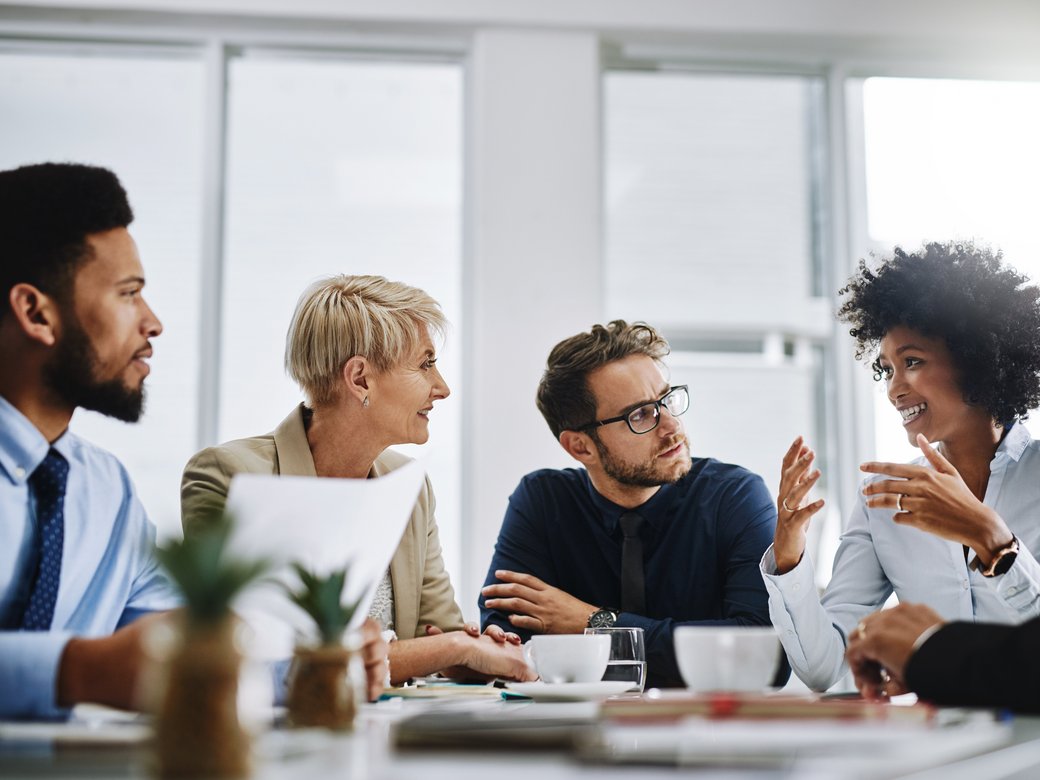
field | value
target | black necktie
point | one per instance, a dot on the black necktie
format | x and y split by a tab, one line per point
633	598
48	487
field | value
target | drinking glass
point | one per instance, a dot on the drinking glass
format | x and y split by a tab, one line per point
627	655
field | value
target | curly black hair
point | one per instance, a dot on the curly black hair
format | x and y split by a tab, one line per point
984	311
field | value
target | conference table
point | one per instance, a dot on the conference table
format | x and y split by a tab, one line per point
491	738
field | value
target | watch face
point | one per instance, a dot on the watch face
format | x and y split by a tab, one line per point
603	618
1005	562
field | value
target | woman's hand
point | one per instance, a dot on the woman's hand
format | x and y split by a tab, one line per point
485	657
374	655
793	515
497	633
938	501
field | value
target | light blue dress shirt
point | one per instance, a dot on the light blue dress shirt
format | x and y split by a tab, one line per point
878	557
109	576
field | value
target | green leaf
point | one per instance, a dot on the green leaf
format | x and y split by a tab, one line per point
207	579
321	598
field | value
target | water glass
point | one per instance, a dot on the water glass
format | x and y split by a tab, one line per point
627	655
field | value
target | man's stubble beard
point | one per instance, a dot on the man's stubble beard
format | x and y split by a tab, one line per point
643	475
71	375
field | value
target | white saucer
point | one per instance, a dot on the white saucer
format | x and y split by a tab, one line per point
543	691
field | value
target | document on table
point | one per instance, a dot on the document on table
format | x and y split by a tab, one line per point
861	749
323	524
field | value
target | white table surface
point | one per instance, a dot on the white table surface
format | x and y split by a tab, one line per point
66	751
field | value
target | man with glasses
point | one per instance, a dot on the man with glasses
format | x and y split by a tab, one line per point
644	535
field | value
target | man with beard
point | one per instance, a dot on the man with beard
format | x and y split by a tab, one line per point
77	575
644	535
76	565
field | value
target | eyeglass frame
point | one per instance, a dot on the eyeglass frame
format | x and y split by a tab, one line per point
657	413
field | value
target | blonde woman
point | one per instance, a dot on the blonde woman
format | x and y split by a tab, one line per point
361	348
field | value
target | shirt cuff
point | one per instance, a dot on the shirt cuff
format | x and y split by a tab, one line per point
794	586
925	636
29	662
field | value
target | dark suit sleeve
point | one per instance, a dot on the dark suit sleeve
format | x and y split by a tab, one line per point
521	547
979	665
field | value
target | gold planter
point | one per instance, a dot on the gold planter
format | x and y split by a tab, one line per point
197	732
320	691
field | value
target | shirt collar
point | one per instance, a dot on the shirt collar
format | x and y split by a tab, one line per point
22	446
1015	442
610	513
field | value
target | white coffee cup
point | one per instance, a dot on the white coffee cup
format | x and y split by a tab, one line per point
727	658
568	658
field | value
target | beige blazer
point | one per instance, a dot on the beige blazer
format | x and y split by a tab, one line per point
422	590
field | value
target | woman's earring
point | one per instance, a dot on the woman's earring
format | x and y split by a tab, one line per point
365	402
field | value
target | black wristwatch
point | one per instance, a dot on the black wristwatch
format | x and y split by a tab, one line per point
1003	559
604	617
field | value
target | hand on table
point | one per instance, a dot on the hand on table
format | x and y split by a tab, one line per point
793	514
535	605
880	647
938	501
485	658
497	633
106	670
374	655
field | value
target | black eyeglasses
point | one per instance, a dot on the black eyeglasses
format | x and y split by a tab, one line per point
645	417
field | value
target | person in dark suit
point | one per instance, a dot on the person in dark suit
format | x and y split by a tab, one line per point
911	648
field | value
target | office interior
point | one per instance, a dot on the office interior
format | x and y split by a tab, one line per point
714	168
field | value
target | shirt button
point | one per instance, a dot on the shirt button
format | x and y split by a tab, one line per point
1012	590
965	584
19	472
797	586
790	632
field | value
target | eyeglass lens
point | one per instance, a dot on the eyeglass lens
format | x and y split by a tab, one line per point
645	418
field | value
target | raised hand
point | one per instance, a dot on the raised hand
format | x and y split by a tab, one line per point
938	501
535	605
793	514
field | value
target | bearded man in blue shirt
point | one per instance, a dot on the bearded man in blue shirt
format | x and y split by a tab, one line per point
643	535
76	565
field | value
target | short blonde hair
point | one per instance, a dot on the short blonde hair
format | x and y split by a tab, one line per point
343	316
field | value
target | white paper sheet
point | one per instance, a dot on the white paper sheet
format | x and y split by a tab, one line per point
321	523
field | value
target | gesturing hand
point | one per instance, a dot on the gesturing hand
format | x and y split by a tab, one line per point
938	501
881	645
793	514
535	605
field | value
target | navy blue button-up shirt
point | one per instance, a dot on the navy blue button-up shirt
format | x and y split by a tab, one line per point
702	542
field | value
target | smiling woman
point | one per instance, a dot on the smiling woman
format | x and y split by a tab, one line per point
956	337
361	349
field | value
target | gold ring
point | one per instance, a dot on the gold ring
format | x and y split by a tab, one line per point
785	506
899	502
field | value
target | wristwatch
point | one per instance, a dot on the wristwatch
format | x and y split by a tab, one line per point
1003	559
604	617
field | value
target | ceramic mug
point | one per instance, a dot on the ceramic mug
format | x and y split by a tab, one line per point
568	658
727	658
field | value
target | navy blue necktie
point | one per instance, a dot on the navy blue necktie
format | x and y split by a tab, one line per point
48	487
632	585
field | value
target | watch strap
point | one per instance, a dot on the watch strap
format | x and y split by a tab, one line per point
1002	560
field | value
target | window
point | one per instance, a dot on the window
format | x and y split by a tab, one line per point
949	159
713	225
141	117
339	166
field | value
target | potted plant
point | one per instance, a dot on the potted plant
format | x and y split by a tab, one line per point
320	691
198	733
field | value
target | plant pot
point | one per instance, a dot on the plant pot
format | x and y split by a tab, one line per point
197	732
320	691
